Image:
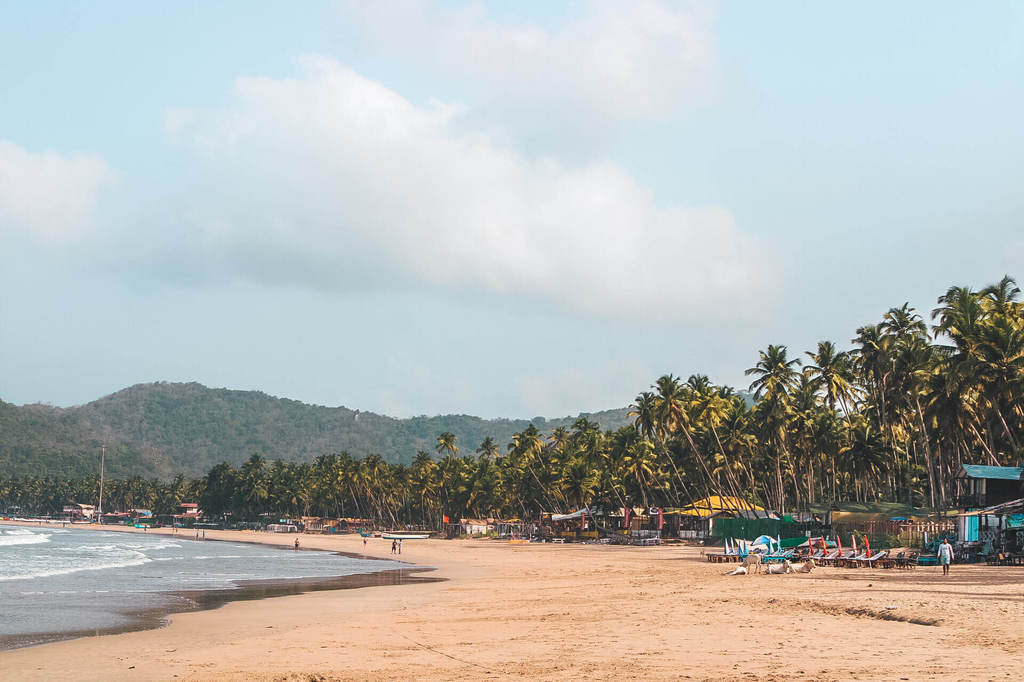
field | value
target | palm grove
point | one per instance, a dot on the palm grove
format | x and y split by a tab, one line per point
890	419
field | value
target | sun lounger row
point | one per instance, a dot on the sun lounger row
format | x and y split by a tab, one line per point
882	559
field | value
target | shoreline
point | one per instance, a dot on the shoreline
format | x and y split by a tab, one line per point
550	612
188	601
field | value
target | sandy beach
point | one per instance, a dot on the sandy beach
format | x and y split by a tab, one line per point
574	611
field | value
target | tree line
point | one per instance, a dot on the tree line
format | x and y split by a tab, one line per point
889	419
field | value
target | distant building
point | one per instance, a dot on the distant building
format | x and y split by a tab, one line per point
983	486
476	526
188	509
78	512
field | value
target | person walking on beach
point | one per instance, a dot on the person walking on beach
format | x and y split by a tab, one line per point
399	546
364	544
296	543
945	555
394	546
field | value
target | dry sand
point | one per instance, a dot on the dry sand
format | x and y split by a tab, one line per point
555	612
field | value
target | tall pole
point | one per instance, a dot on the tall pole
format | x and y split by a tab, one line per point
103	457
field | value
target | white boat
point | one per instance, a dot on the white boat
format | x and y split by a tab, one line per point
405	536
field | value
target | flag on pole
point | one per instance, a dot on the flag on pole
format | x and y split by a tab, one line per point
446	519
625	517
583	521
867	543
661	518
853	540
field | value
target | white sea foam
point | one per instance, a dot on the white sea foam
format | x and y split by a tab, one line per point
137	559
8	539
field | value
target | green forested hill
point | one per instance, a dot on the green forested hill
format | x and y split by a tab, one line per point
162	429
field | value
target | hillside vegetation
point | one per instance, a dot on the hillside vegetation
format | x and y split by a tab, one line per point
163	429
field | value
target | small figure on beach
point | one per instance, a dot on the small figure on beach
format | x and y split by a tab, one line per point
399	546
364	543
945	555
394	546
296	543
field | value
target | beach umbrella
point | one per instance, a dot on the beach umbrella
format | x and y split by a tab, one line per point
853	540
763	540
661	518
867	543
625	517
839	543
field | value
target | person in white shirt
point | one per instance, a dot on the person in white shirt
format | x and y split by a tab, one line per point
945	556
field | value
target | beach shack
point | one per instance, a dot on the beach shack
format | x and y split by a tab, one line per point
980	485
476	526
696	521
188	509
996	531
74	511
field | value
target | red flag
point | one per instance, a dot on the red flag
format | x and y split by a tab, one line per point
625	518
824	545
839	544
445	519
583	521
853	539
661	518
867	543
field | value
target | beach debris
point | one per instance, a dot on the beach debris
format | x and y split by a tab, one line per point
891	607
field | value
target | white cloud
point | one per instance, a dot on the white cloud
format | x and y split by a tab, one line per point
611	62
49	196
335	181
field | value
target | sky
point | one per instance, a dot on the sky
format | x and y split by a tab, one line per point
500	209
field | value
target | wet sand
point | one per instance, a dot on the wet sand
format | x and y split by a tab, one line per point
576	611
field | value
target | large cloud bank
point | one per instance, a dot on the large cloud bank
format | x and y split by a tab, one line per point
332	180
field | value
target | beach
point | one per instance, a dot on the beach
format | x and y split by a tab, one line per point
545	611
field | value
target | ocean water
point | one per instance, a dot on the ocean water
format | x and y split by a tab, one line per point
61	582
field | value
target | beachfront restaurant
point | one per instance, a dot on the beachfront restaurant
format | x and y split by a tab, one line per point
996	532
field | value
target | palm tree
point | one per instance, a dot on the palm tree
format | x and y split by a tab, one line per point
834	374
776	376
447	443
488	448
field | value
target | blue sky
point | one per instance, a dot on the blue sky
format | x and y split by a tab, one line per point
504	210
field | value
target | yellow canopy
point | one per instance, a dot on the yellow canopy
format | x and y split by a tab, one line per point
714	504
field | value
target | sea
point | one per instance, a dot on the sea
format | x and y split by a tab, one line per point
59	583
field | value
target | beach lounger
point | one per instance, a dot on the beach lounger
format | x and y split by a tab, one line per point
778	557
845	556
870	561
892	561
